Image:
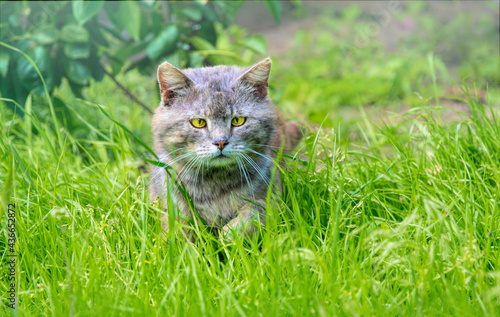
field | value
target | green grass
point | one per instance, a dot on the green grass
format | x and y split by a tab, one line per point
420	237
392	217
327	70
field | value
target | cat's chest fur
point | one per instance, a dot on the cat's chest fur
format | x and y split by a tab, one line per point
217	194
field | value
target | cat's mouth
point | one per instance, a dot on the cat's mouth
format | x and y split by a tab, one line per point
221	160
220	156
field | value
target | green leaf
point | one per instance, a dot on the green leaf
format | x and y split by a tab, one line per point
96	70
192	13
208	12
275	9
46	34
45	87
144	145
214	55
23	166
256	43
200	44
85	10
207	31
196	59
129	14
125	53
77	72
10	12
163	42
77	50
229	8
95	32
4	63
27	73
179	58
73	33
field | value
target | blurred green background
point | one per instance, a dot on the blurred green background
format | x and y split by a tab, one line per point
329	57
393	210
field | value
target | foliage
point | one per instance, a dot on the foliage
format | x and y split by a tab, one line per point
331	70
77	40
408	224
391	216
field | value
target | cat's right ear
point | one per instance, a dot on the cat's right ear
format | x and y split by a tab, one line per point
173	82
257	77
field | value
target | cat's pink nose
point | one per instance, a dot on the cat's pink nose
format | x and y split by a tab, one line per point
221	144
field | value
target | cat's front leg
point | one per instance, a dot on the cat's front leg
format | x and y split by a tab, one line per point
246	222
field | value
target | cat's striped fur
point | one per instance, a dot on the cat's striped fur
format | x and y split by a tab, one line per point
219	185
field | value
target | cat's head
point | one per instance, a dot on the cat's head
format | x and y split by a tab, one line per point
216	115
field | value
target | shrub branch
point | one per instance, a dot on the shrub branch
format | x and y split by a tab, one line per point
128	93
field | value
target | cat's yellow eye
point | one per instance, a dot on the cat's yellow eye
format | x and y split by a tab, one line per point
237	121
198	123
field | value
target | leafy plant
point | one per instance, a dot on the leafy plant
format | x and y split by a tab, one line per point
77	40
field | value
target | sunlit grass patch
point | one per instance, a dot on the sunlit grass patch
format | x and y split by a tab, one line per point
402	221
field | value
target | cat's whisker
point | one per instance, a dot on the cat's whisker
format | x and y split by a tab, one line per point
199	163
190	174
241	173
246	173
186	168
176	150
187	172
167	155
177	174
266	145
178	159
202	168
160	159
261	172
184	175
252	188
154	176
256	167
174	155
240	164
263	155
167	163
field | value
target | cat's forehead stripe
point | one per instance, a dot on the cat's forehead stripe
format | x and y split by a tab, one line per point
217	78
215	104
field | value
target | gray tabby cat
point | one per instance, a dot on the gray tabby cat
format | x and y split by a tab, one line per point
216	126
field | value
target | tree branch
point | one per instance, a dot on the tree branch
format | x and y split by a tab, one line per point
127	92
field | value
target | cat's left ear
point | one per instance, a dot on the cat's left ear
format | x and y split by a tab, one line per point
257	77
172	82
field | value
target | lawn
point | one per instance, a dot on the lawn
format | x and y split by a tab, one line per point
390	207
